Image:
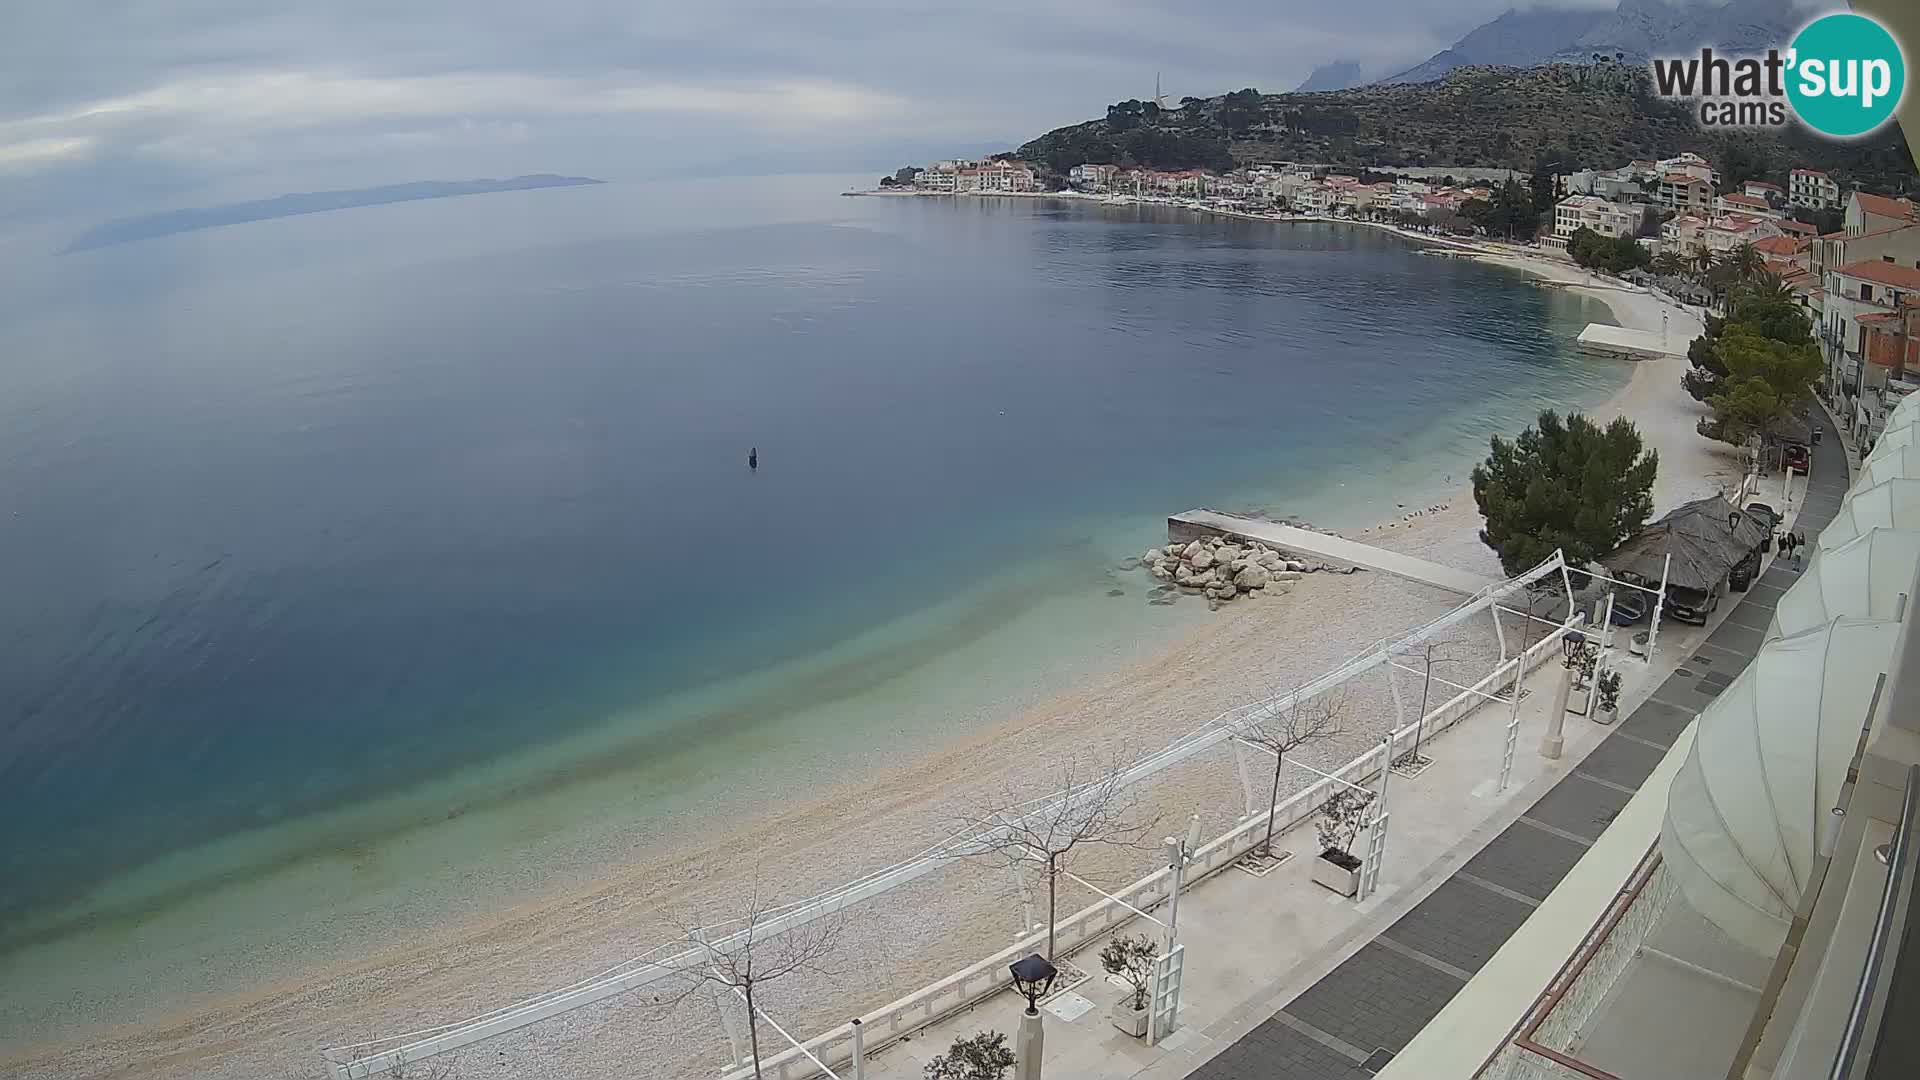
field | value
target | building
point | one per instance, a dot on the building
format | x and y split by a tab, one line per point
1867	213
1733	230
1684	192
1684	235
1893	339
1784	252
1093	177
1689	164
1813	189
1855	291
1761	189
1592	212
1743	203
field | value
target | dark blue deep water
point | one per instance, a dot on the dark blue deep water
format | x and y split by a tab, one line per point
302	511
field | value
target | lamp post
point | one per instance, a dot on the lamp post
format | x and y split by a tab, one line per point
1032	977
1555	739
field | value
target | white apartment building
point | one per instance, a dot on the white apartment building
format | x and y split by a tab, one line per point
1813	189
1592	212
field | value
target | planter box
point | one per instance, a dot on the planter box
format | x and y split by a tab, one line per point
1336	877
1605	716
1128	1019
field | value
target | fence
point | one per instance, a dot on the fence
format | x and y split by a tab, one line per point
937	1001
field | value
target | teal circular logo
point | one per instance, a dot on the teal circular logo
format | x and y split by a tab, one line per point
1846	75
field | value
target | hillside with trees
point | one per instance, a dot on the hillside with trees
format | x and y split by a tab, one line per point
1558	118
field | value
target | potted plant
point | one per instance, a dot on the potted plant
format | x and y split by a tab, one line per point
1339	826
1608	686
980	1056
1132	959
1583	663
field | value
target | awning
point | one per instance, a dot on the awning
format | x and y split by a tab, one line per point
1862	578
1902	462
1746	810
1890	504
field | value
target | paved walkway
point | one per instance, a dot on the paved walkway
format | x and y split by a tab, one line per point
1334	549
1348	1025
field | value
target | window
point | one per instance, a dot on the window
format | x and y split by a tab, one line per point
1866	291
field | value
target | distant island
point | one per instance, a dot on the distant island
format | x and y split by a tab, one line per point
149	226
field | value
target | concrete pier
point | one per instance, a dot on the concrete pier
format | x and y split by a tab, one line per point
1320	547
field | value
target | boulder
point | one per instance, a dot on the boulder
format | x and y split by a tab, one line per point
1297	567
1192	549
1285	575
1160	571
1152	556
1202	559
1251	577
1173	550
1228	553
1183	574
1204	578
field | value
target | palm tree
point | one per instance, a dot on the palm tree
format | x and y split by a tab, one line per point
1745	261
1704	262
1767	287
1668	264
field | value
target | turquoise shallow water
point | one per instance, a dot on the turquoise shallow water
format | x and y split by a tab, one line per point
427	528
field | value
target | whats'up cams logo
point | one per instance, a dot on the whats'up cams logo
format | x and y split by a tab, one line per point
1843	76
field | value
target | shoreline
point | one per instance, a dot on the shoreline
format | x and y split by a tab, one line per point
477	960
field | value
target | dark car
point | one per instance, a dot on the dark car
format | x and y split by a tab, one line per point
1740	578
1629	606
1692	605
1764	514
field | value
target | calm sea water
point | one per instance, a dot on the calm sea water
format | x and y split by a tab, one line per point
300	515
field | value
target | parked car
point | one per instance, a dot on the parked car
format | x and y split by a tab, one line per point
1629	606
1740	578
1692	605
1796	457
1764	514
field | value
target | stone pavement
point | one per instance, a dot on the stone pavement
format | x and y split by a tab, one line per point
1349	1024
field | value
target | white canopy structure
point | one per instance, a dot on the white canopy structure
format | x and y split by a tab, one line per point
1901	462
1863	578
1890	504
1893	439
1746	810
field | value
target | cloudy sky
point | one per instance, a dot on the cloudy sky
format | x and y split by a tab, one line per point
105	103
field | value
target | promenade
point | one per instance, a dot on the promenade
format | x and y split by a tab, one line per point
1287	981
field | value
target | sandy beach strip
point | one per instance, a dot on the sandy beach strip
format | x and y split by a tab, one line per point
881	812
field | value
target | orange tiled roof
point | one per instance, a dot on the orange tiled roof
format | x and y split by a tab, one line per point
1882	206
1884	273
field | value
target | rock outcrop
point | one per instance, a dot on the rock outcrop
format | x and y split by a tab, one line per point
1223	570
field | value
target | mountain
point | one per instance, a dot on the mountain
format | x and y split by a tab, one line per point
1639	30
1335	76
1632	33
1579	116
149	226
1515	39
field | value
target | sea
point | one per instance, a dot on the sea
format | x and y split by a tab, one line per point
354	561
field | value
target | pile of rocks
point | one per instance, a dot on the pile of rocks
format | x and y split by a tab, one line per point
1221	568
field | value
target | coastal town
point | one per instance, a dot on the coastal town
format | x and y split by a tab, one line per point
1849	257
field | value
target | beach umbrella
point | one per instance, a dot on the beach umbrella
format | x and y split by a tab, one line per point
1890	504
1864	578
1901	462
1748	808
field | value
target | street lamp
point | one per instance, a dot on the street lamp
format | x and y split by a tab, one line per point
1032	977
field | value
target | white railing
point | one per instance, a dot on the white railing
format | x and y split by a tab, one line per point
363	1060
932	1003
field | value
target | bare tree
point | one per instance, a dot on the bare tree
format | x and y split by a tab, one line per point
748	953
1433	652
1283	728
1088	810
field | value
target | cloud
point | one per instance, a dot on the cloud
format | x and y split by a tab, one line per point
216	88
